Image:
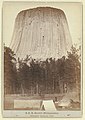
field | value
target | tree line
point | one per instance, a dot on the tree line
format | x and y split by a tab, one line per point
31	76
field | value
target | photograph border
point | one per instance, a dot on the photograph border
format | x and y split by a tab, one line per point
31	114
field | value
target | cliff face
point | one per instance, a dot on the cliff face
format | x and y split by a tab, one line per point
41	33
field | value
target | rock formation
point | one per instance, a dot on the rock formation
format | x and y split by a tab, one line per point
41	33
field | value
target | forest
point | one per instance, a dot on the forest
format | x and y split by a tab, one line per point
31	76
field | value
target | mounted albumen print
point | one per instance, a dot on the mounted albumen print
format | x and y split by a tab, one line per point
42	59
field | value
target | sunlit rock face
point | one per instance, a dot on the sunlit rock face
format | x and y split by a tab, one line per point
41	33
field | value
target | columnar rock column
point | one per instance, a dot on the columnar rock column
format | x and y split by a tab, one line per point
41	33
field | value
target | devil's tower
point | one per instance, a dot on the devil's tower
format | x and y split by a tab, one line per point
41	33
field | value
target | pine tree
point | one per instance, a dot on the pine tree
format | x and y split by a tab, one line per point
10	77
74	59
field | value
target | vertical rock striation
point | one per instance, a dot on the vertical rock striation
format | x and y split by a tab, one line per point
41	33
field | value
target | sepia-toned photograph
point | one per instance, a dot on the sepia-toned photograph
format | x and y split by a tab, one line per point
42	44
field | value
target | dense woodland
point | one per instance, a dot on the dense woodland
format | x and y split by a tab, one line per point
31	76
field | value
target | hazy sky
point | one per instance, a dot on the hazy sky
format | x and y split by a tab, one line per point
73	13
